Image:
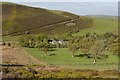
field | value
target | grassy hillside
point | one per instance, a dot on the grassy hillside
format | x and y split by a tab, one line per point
101	25
19	18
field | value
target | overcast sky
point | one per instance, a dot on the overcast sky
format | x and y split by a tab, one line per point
62	0
80	8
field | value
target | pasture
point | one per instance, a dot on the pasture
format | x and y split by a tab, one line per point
62	57
101	25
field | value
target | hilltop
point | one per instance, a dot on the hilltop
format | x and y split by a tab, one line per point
17	19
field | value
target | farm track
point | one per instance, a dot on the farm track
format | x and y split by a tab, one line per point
43	27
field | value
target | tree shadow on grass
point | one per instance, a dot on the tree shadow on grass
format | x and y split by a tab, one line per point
52	50
83	55
91	56
52	54
79	55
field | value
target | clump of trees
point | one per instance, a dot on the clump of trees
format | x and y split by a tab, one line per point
94	45
44	45
40	42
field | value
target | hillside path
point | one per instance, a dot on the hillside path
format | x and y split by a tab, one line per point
45	26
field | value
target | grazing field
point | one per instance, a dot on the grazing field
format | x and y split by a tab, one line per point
62	57
101	25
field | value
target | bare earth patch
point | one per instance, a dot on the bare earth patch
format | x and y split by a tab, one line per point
18	56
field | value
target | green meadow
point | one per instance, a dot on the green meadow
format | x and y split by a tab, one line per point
62	57
101	25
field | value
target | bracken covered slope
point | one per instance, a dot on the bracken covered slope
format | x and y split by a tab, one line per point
18	18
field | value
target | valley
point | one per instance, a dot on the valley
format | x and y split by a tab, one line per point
58	44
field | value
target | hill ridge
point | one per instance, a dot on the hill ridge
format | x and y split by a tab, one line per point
19	18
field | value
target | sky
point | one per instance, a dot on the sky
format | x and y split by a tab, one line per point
62	0
80	7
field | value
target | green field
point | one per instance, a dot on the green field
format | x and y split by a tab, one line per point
101	25
63	57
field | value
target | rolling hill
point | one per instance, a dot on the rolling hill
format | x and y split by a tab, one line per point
102	24
17	19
